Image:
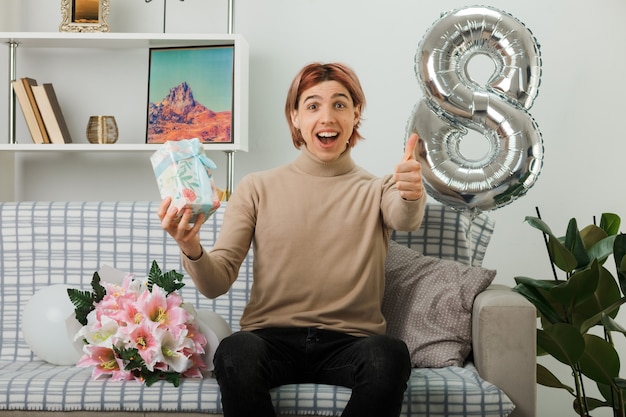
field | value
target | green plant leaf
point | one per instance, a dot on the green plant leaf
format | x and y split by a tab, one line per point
592	404
560	256
537	283
610	223
575	245
610	393
592	234
600	361
529	288
606	295
539	224
548	379
611	325
620	383
579	287
589	323
602	249
563	341
619	250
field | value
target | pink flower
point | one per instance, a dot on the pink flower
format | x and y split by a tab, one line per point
146	340
198	339
105	363
164	310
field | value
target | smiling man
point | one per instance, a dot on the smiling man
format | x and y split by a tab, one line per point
319	228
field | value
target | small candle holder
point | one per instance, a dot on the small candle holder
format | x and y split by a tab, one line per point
102	129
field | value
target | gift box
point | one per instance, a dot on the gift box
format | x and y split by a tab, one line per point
183	172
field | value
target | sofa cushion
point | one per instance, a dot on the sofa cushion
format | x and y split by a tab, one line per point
38	385
450	234
428	304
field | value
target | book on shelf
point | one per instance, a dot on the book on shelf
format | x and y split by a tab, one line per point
30	110
51	113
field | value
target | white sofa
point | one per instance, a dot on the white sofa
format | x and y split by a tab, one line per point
45	243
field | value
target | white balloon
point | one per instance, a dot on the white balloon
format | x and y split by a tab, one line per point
215	323
49	326
214	328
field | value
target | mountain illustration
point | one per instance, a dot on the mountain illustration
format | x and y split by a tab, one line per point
179	116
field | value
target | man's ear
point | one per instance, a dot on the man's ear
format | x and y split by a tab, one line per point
294	119
357	115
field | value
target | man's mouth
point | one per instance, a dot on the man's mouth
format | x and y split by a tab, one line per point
327	138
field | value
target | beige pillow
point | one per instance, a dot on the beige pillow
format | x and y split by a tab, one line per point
428	304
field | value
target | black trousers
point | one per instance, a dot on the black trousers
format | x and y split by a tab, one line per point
249	364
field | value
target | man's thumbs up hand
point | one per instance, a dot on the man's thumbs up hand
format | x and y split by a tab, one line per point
408	174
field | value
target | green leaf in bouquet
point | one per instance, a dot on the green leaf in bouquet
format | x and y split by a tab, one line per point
85	301
149	377
170	281
83	304
171	377
98	290
131	358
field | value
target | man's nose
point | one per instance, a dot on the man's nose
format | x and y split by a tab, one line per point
327	115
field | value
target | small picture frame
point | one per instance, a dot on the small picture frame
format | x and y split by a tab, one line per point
191	94
84	16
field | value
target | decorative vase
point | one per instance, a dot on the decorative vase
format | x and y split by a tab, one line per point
102	129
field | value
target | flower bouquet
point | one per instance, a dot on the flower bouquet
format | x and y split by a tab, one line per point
140	329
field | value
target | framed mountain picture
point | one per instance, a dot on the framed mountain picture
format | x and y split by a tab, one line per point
190	94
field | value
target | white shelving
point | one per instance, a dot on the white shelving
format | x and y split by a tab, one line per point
15	42
87	147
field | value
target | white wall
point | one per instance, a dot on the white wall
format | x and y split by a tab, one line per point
579	107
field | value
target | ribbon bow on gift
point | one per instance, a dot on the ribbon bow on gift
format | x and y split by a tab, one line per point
179	151
192	148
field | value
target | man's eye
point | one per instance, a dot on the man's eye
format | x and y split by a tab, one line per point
312	106
340	106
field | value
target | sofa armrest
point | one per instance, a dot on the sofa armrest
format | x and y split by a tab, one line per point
504	346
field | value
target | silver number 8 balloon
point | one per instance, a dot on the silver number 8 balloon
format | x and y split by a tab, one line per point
454	103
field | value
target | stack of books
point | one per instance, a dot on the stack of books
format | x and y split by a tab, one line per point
42	111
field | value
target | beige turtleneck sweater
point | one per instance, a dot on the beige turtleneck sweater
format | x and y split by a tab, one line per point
319	233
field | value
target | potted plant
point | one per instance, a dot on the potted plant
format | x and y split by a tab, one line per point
576	313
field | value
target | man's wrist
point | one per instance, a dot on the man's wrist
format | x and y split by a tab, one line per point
193	255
